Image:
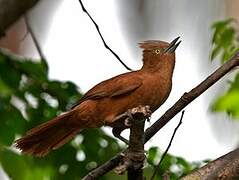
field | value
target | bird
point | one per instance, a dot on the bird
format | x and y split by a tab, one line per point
106	103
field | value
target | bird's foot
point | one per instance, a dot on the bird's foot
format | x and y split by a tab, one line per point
139	113
129	118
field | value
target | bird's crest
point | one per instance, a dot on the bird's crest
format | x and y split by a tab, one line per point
152	44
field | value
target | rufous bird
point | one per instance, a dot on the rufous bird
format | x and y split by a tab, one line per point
107	101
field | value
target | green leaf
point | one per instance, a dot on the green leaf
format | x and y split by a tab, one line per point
227	37
16	121
219	27
6	135
17	171
187	167
6	91
12	123
228	103
224	40
21	168
152	155
34	69
226	43
235	84
8	74
216	50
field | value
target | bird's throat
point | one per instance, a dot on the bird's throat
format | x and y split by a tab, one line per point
164	66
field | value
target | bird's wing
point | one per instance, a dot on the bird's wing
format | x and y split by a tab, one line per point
117	86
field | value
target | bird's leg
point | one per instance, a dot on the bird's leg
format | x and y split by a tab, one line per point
127	119
136	114
117	131
119	126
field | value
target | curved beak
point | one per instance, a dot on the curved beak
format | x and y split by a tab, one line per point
172	46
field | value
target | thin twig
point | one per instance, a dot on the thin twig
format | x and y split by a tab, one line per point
102	38
178	106
34	38
24	36
169	145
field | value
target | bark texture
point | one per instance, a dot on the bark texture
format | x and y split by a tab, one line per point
224	168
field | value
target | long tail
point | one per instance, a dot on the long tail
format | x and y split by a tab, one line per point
51	135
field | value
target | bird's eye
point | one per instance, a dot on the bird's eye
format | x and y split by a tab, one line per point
157	51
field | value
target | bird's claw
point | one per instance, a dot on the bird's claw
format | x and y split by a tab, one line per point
128	122
137	111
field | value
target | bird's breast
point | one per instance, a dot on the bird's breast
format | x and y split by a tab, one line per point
157	91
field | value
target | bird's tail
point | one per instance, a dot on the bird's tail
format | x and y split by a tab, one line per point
51	135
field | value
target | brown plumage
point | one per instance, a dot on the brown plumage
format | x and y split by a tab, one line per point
101	105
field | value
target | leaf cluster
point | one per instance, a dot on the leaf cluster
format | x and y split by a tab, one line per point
28	98
225	43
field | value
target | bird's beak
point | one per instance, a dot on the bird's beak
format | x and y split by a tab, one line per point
172	46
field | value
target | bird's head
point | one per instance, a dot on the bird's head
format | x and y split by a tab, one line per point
154	52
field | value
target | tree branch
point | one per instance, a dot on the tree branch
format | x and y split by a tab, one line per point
11	11
223	168
34	38
179	105
169	145
35	41
191	95
102	38
111	164
135	153
133	157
